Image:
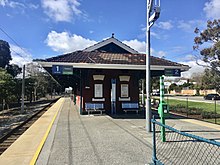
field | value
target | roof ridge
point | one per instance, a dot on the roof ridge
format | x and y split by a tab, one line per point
97	43
115	41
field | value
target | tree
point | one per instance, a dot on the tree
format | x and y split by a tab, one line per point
198	78
155	83
6	87
211	80
210	39
13	70
40	78
5	53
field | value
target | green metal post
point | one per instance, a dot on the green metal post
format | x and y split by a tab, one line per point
163	136
187	107
215	113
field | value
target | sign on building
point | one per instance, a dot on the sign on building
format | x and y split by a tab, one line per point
61	69
172	72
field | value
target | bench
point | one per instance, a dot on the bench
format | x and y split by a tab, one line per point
93	107
130	107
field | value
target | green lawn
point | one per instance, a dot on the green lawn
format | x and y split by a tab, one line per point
213	120
208	107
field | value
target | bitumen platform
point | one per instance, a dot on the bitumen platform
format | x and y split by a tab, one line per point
62	136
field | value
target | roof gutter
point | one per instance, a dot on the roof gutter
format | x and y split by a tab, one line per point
112	66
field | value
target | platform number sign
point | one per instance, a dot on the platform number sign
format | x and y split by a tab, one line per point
60	69
172	72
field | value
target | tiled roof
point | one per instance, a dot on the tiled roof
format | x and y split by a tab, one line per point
110	58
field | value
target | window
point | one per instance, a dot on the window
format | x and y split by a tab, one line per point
98	90
124	90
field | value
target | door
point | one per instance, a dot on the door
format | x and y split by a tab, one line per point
113	96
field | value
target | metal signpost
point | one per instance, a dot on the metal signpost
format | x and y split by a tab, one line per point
163	109
153	13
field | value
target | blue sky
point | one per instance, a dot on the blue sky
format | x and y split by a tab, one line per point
45	28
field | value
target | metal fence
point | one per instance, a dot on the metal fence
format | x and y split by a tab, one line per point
192	108
183	148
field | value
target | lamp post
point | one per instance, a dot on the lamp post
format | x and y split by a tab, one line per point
153	13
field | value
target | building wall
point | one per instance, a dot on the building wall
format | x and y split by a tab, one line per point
89	83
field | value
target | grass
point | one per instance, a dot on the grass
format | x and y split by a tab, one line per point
213	120
208	107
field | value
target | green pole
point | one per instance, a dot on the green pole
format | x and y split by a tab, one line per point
163	136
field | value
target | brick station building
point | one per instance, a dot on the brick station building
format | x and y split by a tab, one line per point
107	72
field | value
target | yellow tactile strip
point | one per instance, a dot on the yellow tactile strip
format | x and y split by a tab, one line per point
202	123
26	148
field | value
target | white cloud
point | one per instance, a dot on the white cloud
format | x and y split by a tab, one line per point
33	6
62	10
212	9
140	46
14	4
160	53
195	68
65	42
189	26
19	56
164	25
153	34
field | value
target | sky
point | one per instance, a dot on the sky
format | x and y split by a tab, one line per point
38	29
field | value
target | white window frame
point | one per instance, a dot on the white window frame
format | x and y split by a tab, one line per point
98	90
124	91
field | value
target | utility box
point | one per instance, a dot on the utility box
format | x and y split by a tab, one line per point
163	109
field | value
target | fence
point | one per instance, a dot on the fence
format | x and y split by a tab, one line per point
183	148
190	107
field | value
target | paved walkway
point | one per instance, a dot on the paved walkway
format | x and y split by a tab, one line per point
93	140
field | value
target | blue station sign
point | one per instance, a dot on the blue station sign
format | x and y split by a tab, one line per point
172	72
61	69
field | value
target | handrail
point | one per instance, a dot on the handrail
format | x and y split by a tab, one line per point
213	142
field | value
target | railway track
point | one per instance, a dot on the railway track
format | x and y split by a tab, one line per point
16	132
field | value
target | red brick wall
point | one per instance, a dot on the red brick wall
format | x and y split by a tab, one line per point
88	93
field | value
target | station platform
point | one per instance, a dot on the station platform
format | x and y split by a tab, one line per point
62	136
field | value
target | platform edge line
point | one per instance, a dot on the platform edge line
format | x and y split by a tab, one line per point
34	159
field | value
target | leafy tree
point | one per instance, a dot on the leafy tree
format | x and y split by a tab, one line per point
211	80
155	82
188	85
207	42
40	78
172	87
7	85
13	70
198	78
29	88
5	53
18	89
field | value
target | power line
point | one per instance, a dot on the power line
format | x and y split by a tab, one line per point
24	52
14	42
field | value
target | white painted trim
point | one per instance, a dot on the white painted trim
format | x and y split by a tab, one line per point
124	99
94	99
98	77
113	66
124	78
108	41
